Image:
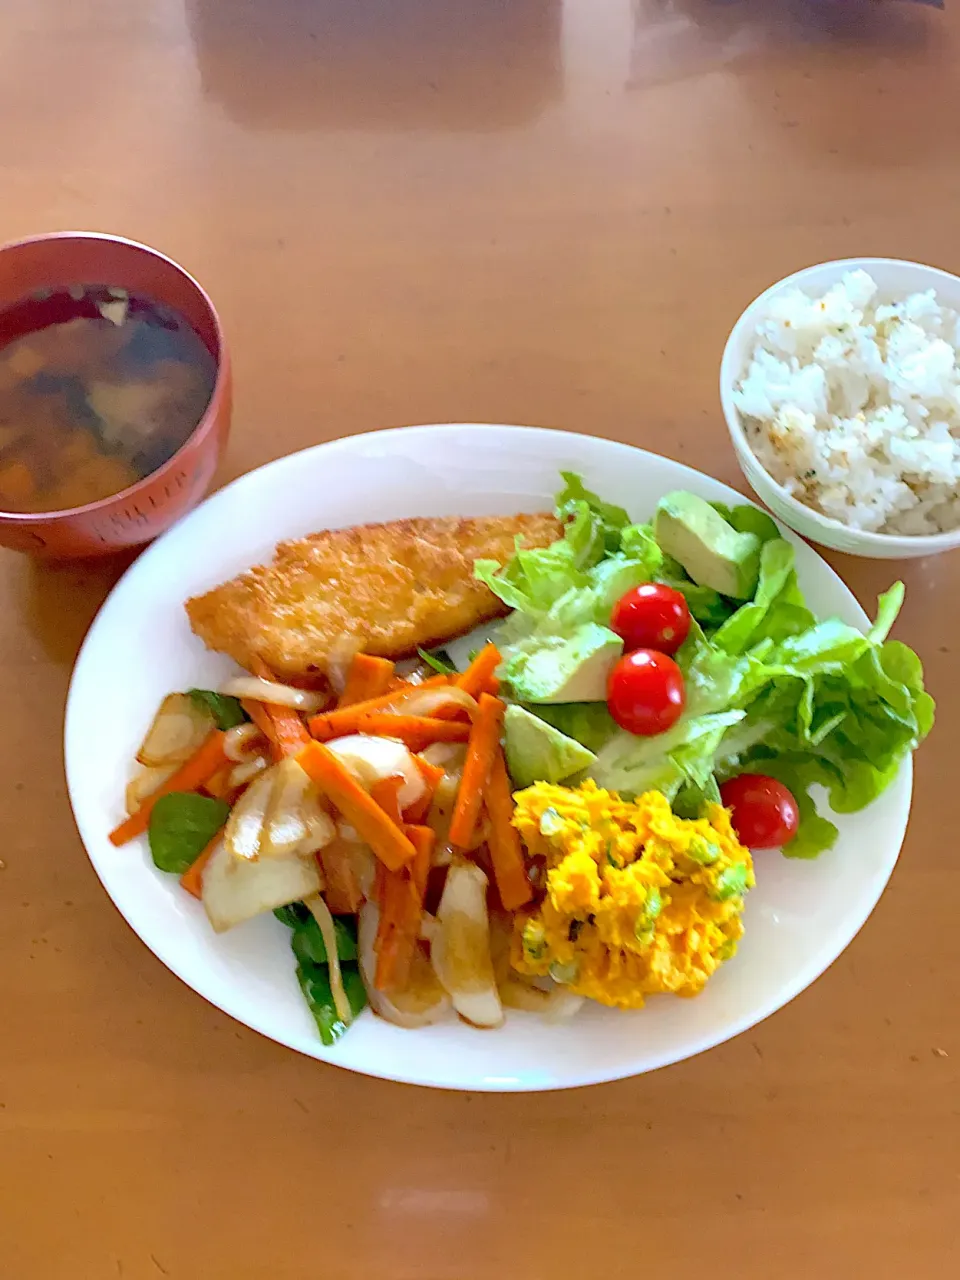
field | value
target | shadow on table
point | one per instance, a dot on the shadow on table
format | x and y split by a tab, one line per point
59	600
471	65
680	39
835	78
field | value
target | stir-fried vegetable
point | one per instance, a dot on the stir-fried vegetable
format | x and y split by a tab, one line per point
344	720
506	851
338	784
479	677
484	739
321	914
315	984
460	951
422	1001
181	826
145	783
370	760
178	729
226	711
192	878
190	776
235	890
273	694
368	677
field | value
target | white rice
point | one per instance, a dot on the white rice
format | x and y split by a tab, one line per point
853	406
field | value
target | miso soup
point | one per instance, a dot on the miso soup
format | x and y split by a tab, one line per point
98	388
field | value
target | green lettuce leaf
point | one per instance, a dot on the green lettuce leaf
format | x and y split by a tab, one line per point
573	495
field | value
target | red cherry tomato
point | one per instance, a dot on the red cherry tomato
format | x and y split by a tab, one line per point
651	616
645	693
764	813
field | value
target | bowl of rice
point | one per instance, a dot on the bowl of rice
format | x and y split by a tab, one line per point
841	390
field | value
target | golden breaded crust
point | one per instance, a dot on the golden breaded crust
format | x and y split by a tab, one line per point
378	588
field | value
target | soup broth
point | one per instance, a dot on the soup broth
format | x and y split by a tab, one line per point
98	388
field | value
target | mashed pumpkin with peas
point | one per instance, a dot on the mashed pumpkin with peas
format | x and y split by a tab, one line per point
638	901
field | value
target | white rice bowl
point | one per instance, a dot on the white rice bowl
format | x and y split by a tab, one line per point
852	405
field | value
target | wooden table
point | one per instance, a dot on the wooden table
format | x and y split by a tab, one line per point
491	210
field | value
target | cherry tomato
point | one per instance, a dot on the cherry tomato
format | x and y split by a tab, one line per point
651	616
645	692
764	813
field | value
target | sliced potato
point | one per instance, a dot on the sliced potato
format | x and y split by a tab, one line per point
460	951
234	891
178	729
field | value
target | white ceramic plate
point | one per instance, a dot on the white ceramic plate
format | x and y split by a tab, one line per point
798	919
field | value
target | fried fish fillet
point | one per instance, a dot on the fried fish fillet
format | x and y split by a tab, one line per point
378	588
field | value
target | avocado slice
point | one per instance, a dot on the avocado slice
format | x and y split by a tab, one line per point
572	670
711	551
537	752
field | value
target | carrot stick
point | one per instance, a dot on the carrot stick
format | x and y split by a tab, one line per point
416	731
506	851
423	839
344	720
342	891
386	792
382	834
289	734
368	677
191	775
192	878
401	909
431	774
258	714
484	741
480	671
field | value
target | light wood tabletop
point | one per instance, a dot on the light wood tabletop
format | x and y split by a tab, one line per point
532	211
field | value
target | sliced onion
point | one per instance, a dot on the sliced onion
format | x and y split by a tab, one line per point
446	755
146	782
339	658
243	742
441	808
245	824
422	1002
562	1005
319	825
247	770
372	759
280	695
461	949
284	827
441	815
178	729
425	702
235	891
364	864
321	913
